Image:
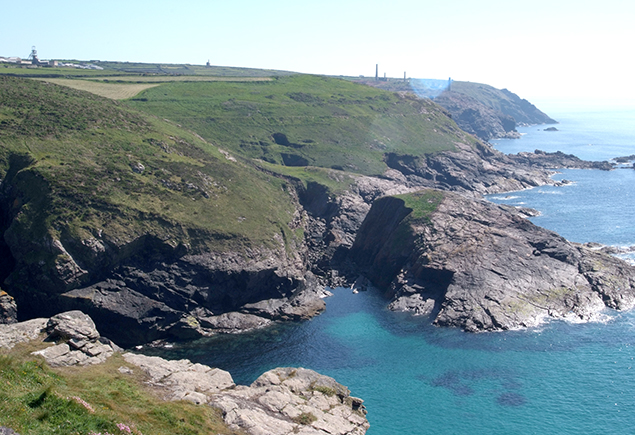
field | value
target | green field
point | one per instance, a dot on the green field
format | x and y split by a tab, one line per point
305	121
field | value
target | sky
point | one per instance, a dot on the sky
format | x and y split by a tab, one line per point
536	49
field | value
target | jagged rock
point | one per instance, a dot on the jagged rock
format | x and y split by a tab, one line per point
21	332
80	344
557	160
72	325
182	379
8	308
483	267
287	401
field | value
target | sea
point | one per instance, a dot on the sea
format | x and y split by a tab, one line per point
558	378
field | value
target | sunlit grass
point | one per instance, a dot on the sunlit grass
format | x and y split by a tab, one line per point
35	399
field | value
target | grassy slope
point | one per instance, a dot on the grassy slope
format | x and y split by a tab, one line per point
328	123
35	399
83	147
486	94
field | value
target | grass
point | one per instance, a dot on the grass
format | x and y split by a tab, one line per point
114	69
423	204
305	121
80	150
35	399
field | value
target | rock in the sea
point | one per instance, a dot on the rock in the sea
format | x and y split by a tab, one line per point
480	266
8	308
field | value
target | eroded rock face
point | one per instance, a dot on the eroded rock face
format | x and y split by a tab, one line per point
479	266
476	118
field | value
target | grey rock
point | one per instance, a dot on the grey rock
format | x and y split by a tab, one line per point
7	431
21	332
182	379
73	325
481	267
286	401
8	308
234	322
137	167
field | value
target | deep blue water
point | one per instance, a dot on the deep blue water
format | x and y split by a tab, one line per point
417	379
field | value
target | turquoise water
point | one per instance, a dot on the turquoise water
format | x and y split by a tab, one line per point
417	379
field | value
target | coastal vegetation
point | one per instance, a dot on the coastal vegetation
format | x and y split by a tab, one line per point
36	399
87	164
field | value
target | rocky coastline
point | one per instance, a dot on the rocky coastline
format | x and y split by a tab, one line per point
153	290
282	401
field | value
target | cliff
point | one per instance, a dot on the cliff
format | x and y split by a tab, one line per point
479	266
489	113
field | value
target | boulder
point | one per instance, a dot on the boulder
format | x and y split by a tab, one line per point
8	308
79	342
72	325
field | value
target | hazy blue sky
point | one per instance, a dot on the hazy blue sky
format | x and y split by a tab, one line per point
538	48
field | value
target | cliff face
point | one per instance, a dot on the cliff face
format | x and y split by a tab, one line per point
489	113
479	266
476	118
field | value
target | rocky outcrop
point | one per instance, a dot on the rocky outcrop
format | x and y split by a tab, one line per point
181	380
8	308
282	401
21	332
476	118
293	401
481	267
556	160
79	341
489	113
